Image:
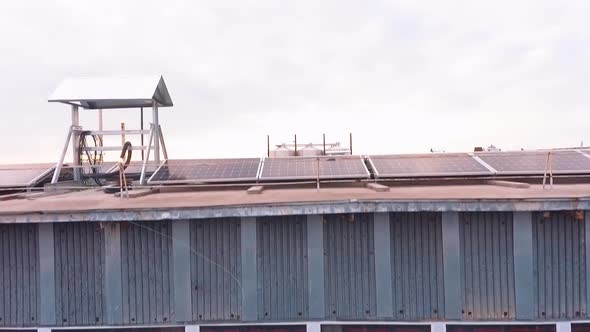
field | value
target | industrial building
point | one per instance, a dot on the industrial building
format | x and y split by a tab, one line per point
457	242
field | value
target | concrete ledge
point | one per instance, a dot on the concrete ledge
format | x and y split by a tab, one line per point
377	187
139	193
510	184
255	190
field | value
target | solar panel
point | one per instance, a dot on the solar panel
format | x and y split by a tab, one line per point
306	168
207	170
427	165
533	162
23	175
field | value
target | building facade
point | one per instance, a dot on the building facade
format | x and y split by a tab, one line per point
360	265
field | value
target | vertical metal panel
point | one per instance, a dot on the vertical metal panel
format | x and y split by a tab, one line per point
350	266
451	247
79	273
282	268
249	269
487	265
559	265
417	266
522	224
383	269
181	248
587	276
315	266
19	275
146	273
216	269
113	294
46	274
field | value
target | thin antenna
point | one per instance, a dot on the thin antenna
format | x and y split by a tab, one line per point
295	144
268	146
350	138
324	137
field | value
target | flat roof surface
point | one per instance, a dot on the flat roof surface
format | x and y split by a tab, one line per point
96	200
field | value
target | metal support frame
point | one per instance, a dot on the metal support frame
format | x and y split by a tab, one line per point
155	142
60	163
156	121
147	156
154	138
76	142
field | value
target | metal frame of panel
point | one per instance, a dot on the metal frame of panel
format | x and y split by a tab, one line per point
377	174
315	176
541	153
212	180
33	181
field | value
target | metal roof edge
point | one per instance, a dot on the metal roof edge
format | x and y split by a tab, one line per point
285	209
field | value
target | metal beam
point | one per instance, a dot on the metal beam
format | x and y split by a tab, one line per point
523	265
156	121
383	273
46	275
249	269
452	265
113	287
315	266
182	273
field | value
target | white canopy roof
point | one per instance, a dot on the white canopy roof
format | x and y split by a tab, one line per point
118	92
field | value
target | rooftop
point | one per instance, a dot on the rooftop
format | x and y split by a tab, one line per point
172	203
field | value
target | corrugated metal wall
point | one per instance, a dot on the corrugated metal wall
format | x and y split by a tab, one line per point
147	277
19	275
79	273
349	263
487	265
417	266
282	267
216	269
560	265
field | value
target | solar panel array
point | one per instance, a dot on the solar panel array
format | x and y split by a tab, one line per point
207	170
18	176
535	162
460	164
332	168
302	168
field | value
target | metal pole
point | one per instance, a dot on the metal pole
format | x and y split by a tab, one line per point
122	133
318	174
268	146
324	138
156	132
75	141
100	137
350	138
295	144
141	127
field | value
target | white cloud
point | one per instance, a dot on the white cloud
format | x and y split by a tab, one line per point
403	76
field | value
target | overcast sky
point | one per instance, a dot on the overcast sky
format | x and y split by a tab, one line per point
402	76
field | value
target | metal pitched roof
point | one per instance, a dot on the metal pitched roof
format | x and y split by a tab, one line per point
113	92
